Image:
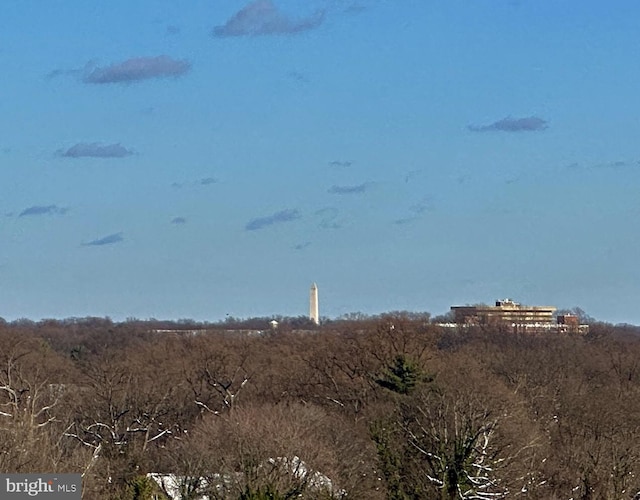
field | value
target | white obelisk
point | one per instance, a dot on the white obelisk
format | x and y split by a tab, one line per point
314	314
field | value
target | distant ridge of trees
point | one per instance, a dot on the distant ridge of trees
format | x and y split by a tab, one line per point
261	322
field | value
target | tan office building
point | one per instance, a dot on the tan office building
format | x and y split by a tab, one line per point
504	312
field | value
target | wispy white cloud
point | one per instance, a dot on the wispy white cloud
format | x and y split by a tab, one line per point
424	205
355	8
96	150
208	180
614	165
280	217
302	246
137	69
340	163
262	17
417	210
205	181
329	218
73	72
405	220
106	240
43	210
510	124
356	189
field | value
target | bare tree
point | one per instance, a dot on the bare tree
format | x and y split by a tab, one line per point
284	451
132	403
217	373
32	418
455	440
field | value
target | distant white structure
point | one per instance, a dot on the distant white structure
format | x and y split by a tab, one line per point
176	487
314	314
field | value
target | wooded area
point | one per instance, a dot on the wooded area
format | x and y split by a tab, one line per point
391	407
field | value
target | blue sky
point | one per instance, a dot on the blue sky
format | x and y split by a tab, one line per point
166	160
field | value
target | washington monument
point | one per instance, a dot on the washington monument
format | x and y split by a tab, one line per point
314	314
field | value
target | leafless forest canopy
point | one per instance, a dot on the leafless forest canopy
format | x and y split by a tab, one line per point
387	407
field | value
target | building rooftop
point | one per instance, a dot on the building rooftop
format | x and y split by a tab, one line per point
515	316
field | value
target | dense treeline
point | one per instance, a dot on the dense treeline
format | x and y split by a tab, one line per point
391	407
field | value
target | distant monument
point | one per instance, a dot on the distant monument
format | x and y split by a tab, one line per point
314	314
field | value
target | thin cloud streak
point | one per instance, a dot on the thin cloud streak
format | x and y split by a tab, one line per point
338	163
262	17
418	210
423	206
137	69
302	246
510	124
406	220
205	181
355	8
106	240
96	150
43	210
287	215
74	72
357	189
614	165
329	218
